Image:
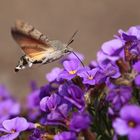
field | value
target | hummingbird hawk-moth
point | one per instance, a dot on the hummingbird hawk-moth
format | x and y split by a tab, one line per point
37	48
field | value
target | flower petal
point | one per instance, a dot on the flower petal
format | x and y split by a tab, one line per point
19	124
120	127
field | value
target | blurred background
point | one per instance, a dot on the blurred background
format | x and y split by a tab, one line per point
96	20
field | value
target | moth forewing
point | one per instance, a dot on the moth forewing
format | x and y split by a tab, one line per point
29	30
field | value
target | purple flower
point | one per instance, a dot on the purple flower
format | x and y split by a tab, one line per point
133	33
57	117
53	75
103	58
4	93
66	135
57	111
110	47
136	67
129	122
128	38
71	68
33	85
72	94
13	127
8	108
131	37
137	80
110	70
119	96
93	64
79	121
50	103
47	90
36	135
105	72
88	76
33	101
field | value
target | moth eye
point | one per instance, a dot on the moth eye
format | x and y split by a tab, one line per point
67	50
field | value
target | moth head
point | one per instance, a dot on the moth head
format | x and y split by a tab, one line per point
68	49
23	62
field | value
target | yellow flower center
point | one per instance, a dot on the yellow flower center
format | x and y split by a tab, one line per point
90	77
13	131
72	72
131	124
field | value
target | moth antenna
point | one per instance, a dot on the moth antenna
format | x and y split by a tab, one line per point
72	38
71	41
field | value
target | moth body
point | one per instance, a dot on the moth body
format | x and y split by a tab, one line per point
60	50
36	47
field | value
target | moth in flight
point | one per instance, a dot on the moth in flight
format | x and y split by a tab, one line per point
36	47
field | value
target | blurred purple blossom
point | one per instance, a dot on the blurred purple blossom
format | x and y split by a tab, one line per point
133	32
56	110
110	47
36	135
131	37
93	64
129	122
56	117
48	89
50	103
80	121
103	58
4	93
137	80
110	70
53	75
136	67
73	94
105	72
33	85
33	101
66	135
119	96
8	108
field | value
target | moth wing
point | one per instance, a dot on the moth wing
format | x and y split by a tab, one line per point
33	48
29	30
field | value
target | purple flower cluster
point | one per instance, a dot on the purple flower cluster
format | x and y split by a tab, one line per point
99	101
59	109
8	106
10	124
